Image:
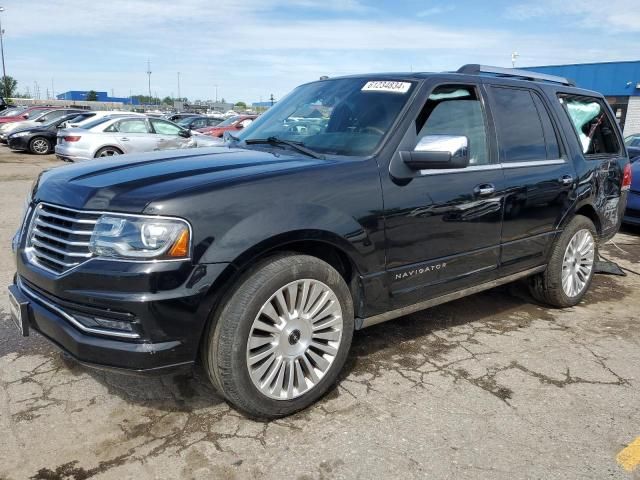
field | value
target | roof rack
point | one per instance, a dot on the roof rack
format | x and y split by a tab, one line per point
475	69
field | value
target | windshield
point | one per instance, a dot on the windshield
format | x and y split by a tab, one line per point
228	121
348	116
632	141
186	121
10	112
94	123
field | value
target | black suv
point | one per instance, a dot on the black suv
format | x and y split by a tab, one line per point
352	201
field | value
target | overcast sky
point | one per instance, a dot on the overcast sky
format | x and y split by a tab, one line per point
252	48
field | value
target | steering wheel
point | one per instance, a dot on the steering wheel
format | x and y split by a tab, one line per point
377	130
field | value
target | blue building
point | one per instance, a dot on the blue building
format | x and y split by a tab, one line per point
619	82
81	96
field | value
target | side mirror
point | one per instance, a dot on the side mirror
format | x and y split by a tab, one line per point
239	126
438	152
185	133
25	116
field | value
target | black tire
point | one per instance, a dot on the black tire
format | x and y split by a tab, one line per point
102	151
39	146
225	343
546	287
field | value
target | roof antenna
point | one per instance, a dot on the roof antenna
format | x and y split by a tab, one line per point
514	56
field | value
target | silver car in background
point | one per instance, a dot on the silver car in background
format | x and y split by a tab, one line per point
108	136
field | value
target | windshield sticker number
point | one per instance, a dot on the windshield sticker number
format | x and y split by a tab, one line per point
380	86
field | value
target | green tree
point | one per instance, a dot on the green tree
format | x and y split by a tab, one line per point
9	86
167	100
241	105
92	96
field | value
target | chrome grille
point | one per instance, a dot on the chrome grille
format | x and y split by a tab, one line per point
59	237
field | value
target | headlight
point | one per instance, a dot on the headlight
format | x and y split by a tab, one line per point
129	237
20	134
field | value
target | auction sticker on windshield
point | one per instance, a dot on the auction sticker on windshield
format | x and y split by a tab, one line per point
385	86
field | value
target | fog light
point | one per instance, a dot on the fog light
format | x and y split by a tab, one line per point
114	324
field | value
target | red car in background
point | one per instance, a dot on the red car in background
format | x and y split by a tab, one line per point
24	115
231	124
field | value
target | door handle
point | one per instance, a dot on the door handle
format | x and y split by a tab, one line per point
124	139
484	190
566	180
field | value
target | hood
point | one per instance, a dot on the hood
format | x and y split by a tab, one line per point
128	183
13	125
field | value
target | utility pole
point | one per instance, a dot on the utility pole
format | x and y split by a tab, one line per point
514	56
53	90
179	97
216	93
149	75
4	71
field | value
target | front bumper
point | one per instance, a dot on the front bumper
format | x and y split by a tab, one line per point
18	143
167	305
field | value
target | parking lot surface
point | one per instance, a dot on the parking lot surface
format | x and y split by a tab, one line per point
491	386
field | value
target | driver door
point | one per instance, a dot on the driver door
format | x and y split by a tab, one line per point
443	225
168	135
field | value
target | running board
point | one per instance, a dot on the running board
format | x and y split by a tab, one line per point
416	307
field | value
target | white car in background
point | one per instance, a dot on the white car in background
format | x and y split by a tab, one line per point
97	114
109	136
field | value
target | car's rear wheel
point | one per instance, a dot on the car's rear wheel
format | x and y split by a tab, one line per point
280	339
108	152
570	269
39	146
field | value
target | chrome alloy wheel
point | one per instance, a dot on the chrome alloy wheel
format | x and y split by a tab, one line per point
577	263
109	152
40	146
294	339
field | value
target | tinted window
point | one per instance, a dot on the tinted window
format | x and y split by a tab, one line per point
593	126
456	110
520	132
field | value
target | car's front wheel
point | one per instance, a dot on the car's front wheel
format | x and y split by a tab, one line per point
280	339
39	146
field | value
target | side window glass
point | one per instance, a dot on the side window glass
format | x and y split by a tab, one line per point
456	110
550	135
165	128
132	126
592	124
520	133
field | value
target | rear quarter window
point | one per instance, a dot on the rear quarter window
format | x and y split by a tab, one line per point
592	124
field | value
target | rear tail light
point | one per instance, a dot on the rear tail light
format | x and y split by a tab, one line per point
626	177
71	138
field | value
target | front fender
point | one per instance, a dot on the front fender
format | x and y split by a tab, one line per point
269	228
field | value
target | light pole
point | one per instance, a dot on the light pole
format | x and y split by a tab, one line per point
149	74
514	56
4	71
179	97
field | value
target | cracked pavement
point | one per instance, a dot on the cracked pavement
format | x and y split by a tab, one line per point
491	386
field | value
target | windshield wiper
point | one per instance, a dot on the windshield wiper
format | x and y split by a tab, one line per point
299	146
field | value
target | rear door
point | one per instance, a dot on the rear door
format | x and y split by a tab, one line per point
539	176
133	135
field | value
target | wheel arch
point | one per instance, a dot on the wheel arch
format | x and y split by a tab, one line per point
588	210
328	248
102	147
